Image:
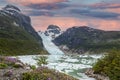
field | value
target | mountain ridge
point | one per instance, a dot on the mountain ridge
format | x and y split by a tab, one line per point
17	36
83	39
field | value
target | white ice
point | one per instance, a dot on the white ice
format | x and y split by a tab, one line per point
49	45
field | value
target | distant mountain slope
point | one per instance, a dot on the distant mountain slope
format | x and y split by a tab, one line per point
82	39
17	36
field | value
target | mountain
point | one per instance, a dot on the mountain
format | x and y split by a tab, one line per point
53	31
17	36
20	19
82	39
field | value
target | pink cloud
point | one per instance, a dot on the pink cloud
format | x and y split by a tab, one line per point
105	5
42	22
110	7
35	1
115	10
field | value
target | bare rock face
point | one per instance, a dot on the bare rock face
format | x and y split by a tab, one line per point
53	31
90	73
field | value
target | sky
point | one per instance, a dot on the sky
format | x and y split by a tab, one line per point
99	14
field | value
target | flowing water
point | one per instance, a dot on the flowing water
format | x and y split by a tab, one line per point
74	65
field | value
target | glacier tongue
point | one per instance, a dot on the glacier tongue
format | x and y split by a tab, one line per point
73	65
49	45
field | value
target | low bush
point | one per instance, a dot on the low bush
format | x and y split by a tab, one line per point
109	65
43	73
3	65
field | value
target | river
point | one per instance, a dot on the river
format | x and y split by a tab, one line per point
74	65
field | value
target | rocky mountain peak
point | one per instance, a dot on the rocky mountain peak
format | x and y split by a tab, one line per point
53	31
11	7
53	27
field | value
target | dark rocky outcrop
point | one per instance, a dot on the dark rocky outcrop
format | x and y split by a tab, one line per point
53	31
83	39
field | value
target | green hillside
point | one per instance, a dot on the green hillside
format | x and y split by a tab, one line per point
109	65
14	40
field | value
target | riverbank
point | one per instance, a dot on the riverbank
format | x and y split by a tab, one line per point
14	69
90	73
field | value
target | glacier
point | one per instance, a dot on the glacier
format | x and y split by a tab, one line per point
73	65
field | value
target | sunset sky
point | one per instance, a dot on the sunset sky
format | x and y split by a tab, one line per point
100	14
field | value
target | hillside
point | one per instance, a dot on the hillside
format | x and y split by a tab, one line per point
83	39
17	36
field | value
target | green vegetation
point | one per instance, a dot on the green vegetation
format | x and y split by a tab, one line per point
14	40
109	65
41	60
33	67
3	65
7	62
19	47
43	73
100	47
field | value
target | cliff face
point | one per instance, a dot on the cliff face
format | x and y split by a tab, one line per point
17	36
83	39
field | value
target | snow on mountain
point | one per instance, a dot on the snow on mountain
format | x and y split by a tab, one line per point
53	31
49	45
10	10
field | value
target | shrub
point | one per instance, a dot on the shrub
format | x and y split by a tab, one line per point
109	65
41	60
43	73
33	67
3	65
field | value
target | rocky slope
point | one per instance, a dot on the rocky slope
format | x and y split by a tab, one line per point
17	36
53	31
14	69
83	39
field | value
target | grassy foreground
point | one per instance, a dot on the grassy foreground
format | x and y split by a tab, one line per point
14	69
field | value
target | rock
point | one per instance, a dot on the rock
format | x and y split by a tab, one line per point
90	73
19	65
85	39
53	31
8	73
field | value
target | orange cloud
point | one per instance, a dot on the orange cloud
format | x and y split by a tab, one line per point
42	22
